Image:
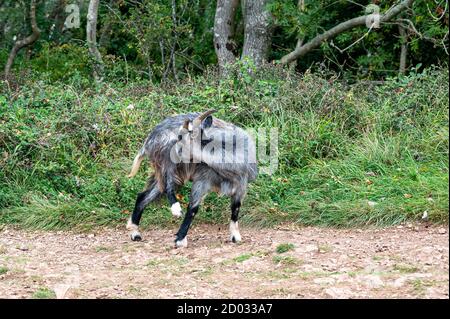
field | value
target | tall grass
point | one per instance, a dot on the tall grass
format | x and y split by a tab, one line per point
349	155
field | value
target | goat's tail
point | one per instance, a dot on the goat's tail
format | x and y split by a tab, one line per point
136	163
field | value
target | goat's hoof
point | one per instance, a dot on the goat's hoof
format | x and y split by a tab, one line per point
181	243
235	236
135	236
236	239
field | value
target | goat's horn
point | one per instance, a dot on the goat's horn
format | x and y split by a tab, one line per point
198	120
186	125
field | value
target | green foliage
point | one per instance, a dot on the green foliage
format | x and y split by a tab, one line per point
348	154
65	63
285	260
283	248
156	36
150	39
3	270
44	293
242	258
374	56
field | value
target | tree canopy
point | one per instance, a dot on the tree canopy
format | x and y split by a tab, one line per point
165	40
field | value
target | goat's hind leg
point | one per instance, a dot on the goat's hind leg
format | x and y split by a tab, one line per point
235	235
143	199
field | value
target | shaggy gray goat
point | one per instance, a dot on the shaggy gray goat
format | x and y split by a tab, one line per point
215	155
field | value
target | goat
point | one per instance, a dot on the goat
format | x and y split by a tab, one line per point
215	155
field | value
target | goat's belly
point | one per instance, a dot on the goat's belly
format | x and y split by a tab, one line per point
226	188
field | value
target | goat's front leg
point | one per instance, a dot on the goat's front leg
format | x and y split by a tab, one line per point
181	240
175	206
143	199
198	191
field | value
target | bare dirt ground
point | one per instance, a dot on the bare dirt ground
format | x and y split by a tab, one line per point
410	261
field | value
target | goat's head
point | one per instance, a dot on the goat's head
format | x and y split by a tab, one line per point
192	135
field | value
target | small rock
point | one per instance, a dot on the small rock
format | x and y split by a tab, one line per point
400	282
381	248
61	290
324	281
311	268
342	277
306	248
428	249
442	231
373	281
338	293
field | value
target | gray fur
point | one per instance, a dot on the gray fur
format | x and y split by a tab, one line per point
224	163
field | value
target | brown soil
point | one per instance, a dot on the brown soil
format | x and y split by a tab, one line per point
410	261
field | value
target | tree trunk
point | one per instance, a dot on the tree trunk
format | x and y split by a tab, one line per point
174	40
25	42
91	38
258	31
223	33
340	28
403	50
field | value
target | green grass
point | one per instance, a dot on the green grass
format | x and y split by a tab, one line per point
285	260
282	248
405	268
100	249
153	263
65	150
242	258
3	270
324	248
420	285
44	293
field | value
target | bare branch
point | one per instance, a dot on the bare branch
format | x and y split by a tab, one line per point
24	42
443	12
412	28
342	27
348	47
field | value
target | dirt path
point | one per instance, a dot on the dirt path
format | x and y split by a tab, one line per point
400	262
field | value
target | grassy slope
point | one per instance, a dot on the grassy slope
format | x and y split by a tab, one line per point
65	151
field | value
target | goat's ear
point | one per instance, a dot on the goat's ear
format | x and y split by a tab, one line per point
207	122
